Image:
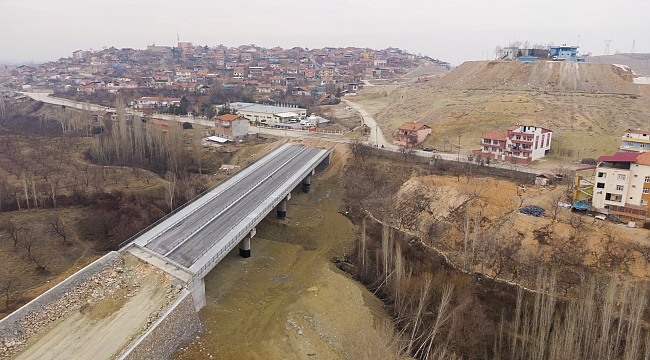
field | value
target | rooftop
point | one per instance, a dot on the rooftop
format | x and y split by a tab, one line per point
495	135
622	157
412	126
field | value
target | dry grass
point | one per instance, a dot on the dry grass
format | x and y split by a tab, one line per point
585	124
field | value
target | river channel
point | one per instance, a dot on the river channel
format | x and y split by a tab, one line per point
288	301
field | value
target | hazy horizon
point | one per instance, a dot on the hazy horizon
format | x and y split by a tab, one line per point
463	30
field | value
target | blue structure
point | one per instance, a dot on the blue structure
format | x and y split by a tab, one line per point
527	58
564	52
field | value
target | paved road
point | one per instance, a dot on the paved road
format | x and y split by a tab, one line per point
376	137
187	240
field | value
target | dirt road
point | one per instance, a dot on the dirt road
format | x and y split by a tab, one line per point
101	329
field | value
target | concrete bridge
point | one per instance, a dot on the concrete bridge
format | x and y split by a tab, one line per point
191	241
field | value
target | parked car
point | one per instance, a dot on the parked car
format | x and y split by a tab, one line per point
428	149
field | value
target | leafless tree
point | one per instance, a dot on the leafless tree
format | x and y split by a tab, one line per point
359	149
58	228
5	289
14	232
35	251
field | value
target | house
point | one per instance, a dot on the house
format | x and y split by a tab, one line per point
635	140
231	127
411	134
622	185
544	179
521	144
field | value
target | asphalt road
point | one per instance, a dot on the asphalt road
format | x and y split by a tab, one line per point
186	241
376	137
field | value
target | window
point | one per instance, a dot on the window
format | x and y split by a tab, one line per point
600	185
618	198
619	187
647	179
621	177
646	190
602	175
644	202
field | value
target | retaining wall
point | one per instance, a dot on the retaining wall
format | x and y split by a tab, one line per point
175	328
11	327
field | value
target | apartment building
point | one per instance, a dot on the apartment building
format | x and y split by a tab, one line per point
635	140
521	144
622	185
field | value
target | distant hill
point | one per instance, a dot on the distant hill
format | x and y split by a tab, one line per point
587	105
639	63
541	76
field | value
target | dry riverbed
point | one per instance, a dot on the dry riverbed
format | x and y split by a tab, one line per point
288	301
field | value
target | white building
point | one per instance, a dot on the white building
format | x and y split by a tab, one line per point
264	113
521	143
622	185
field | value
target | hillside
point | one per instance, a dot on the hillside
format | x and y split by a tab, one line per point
639	63
588	106
542	76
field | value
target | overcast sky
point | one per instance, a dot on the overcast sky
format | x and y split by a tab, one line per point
452	30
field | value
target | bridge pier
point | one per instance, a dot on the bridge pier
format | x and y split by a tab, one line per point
306	182
245	244
197	288
282	208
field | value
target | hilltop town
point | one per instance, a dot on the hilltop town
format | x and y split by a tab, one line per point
189	68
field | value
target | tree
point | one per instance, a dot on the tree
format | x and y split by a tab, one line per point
207	109
35	253
359	149
58	227
5	289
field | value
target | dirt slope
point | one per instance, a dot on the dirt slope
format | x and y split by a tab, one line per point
639	63
542	76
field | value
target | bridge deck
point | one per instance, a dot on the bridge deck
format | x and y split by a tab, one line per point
192	232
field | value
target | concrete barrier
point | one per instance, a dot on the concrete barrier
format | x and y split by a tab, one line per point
11	326
175	328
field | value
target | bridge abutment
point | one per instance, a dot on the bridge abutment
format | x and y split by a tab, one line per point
282	208
245	244
197	288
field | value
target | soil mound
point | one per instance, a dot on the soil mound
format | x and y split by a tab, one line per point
562	76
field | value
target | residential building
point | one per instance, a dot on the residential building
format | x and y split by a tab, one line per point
636	140
521	144
622	185
153	102
231	127
411	134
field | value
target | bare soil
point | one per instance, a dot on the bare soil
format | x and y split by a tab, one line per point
288	301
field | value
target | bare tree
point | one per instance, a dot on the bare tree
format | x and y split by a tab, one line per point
359	149
5	289
14	232
35	252
58	227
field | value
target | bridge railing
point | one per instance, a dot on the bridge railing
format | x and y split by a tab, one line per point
173	212
237	238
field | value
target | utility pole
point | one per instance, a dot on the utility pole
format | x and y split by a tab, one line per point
377	135
458	148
